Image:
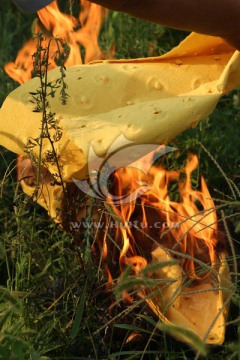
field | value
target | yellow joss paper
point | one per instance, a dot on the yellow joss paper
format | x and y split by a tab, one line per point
190	311
145	100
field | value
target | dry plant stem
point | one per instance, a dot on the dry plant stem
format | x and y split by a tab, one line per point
43	85
195	222
7	173
232	186
235	265
30	252
149	340
122	313
41	65
215	17
199	262
43	76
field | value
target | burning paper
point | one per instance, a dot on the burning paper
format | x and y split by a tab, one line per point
174	243
201	309
177	244
142	101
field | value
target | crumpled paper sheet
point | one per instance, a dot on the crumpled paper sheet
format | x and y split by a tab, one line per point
142	100
192	310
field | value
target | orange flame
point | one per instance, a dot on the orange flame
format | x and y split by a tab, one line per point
56	24
187	228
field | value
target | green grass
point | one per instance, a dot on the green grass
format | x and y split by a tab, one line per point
53	303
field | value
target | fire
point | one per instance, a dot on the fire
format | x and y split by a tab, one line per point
151	227
73	32
187	228
169	249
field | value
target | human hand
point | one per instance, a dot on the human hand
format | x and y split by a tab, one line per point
215	17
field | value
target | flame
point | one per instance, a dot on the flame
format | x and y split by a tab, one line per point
151	228
54	23
91	18
187	228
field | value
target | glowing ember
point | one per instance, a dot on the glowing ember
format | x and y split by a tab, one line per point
64	27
